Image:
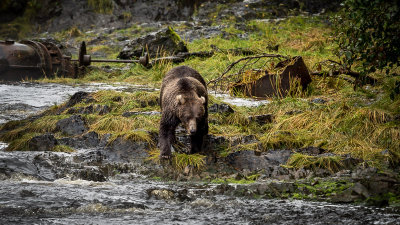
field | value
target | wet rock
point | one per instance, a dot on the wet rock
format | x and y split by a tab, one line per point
26	193
318	101
100	109
45	142
249	160
168	194
202	31
125	150
87	140
164	194
150	113
347	196
221	108
164	42
10	165
76	98
361	190
262	119
73	125
90	173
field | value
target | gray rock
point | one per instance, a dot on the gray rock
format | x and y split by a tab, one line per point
163	42
318	101
90	173
87	140
45	142
76	98
361	190
220	108
73	125
262	119
125	150
270	161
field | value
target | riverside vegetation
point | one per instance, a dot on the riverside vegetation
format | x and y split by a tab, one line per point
361	123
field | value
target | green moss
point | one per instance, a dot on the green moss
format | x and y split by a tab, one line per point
384	200
324	188
63	148
246	180
102	6
174	36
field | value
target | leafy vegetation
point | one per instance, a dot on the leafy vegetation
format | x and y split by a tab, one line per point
367	34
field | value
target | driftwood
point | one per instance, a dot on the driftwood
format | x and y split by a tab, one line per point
250	60
336	68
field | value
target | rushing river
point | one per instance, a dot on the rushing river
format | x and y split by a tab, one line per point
127	198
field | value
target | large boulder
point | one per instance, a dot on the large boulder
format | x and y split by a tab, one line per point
161	43
73	125
45	142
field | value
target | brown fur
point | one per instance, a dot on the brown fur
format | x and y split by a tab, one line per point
183	99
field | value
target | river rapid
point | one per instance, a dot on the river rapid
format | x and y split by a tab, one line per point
131	198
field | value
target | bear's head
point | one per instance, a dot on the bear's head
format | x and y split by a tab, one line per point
190	111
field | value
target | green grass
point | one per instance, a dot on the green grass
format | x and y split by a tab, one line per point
357	122
246	180
331	163
180	160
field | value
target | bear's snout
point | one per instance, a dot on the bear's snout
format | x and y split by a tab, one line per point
192	128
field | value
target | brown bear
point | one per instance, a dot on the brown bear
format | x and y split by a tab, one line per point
183	99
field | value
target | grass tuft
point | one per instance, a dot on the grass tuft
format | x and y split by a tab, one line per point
331	163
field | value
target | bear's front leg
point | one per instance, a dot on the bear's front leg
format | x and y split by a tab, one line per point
196	140
167	135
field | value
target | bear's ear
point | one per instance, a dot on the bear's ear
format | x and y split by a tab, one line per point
203	100
180	99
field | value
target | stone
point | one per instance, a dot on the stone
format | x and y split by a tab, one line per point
90	173
73	125
262	119
361	190
26	193
221	108
76	98
269	161
318	101
126	150
163	42
87	140
45	142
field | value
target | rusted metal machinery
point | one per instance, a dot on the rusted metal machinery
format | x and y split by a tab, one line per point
86	60
37	59
32	60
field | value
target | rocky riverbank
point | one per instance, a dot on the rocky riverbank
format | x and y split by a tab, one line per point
96	155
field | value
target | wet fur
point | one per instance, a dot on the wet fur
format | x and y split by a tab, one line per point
191	86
